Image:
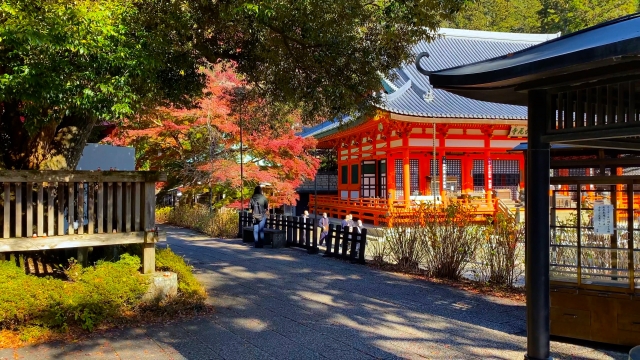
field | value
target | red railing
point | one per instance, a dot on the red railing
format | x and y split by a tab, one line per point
377	210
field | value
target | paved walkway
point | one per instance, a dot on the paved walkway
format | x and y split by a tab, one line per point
285	304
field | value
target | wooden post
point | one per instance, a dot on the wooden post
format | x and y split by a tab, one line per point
363	245
149	221
7	215
136	206
40	210
289	226
240	223
100	212
60	196
90	207
346	233
83	256
127	207
339	237
50	209
329	239
7	210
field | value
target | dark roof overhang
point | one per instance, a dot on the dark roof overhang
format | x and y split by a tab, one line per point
611	48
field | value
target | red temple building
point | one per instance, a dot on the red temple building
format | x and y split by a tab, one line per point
427	144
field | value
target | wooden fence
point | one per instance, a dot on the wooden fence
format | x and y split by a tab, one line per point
304	233
41	210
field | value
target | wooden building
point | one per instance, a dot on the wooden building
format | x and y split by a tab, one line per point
427	144
582	90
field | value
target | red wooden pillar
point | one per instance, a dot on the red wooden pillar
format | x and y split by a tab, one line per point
406	176
391	171
522	173
443	182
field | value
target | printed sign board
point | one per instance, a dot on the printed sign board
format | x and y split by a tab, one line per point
444	172
517	131
489	174
603	219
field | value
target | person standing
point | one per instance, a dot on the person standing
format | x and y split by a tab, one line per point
305	221
359	228
345	221
259	208
324	226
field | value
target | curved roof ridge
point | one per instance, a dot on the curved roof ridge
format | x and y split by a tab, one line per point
400	91
497	36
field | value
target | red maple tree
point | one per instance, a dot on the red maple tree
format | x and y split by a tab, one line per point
202	145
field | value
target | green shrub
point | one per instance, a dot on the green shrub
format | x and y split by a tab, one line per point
451	239
500	256
221	223
440	239
188	286
91	296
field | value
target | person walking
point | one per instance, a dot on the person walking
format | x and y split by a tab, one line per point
324	226
259	208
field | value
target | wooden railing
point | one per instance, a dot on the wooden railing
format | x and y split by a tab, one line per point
42	210
377	211
341	242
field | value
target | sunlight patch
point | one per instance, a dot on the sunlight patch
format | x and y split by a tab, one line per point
251	324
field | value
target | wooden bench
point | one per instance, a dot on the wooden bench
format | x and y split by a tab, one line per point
273	237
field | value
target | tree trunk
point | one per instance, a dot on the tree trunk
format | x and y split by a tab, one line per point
54	146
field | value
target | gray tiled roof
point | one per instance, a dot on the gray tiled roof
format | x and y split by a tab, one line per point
454	48
411	94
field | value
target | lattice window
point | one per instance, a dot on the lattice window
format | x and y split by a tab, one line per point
399	179
382	179
344	174
368	181
434	169
577	172
478	175
454	168
414	170
506	175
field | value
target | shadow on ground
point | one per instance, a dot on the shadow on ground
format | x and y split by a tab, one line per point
286	304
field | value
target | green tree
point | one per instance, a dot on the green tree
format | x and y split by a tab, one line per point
67	66
532	16
568	16
499	15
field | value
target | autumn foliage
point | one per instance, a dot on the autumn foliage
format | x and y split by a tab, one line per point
201	145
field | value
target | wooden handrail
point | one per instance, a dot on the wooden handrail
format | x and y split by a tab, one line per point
77	209
13	176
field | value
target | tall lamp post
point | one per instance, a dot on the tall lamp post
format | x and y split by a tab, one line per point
241	161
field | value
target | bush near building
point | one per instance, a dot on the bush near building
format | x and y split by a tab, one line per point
443	242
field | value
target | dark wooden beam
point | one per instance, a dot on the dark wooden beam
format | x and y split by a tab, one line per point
594	163
604	144
613	131
595	180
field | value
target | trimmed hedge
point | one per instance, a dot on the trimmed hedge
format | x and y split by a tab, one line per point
91	296
100	294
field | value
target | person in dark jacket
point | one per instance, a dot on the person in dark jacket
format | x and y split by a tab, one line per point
324	228
259	207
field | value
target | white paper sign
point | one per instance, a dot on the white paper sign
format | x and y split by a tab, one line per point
603	219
